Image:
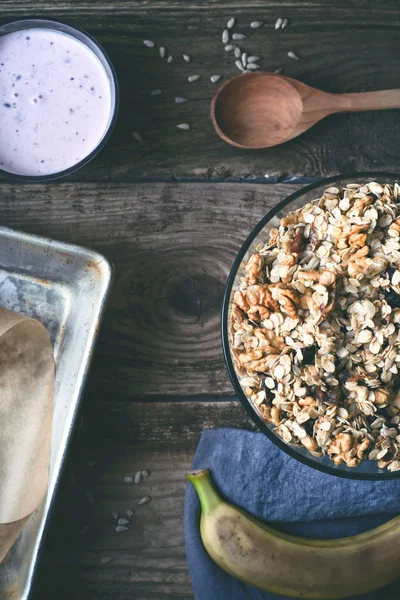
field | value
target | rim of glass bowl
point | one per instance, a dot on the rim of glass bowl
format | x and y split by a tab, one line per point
27	23
246	403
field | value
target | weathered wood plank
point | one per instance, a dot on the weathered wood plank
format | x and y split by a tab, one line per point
353	47
149	560
172	246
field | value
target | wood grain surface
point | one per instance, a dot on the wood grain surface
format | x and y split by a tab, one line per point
172	246
148	561
344	47
158	210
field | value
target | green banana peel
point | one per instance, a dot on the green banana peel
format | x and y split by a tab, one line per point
289	565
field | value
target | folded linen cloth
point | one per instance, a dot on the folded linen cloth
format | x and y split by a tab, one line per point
251	472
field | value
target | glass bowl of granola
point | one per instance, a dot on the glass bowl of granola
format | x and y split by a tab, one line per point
311	325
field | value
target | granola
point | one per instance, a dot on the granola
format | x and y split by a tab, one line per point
315	326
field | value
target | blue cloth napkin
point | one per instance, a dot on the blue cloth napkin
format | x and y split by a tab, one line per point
251	472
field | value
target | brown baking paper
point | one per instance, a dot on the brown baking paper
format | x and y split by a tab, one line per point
26	412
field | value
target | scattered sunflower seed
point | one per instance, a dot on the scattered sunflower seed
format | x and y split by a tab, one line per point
170	59
144	500
193	78
156	93
225	36
215	78
184	126
163	51
107	559
115	515
136	136
285	23
253	66
278	23
239	36
90	497
130	512
84	530
239	65
256	24
149	43
186	58
231	22
293	55
179	100
128	479
278	71
238	52
145	473
123	521
252	59
121	528
138	477
229	47
244	59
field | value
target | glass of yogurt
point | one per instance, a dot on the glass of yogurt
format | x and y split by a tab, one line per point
59	99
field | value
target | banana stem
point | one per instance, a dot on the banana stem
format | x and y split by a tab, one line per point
208	495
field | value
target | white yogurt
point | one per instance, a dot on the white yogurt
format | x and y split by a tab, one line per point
55	101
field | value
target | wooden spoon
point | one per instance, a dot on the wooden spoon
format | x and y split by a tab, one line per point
260	110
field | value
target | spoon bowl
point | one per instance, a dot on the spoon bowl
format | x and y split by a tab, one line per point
256	110
260	110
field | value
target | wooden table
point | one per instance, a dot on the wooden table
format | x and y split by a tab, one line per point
171	212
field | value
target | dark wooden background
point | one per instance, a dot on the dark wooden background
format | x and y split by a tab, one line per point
171	213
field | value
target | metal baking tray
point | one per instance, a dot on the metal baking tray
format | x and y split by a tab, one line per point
65	287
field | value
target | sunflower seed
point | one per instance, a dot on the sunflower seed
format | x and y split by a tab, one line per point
186	58
145	473
136	136
252	59
256	24
215	78
253	66
149	43
244	59
193	78
170	59
293	55
229	47
84	530
237	52
123	521
239	36
285	23
90	497
184	126
278	23
138	477
130	512
239	65
156	93
225	36
179	100
278	71
128	479
162	51
107	560
121	528
115	516
231	22
246	71
144	500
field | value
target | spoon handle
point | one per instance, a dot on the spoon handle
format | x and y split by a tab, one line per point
369	101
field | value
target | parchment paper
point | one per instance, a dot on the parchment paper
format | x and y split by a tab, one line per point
26	411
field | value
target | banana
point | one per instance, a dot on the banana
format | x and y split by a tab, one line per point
290	565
